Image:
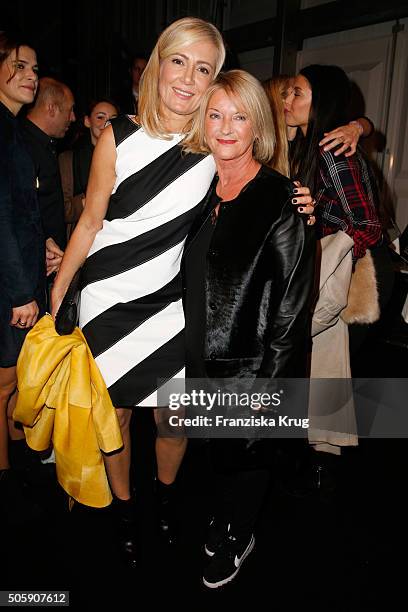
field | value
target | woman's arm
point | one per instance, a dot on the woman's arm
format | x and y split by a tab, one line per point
101	181
293	246
355	212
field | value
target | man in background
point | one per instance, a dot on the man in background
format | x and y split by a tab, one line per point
47	121
128	100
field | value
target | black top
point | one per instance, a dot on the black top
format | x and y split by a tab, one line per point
195	308
126	101
22	256
82	158
258	264
50	195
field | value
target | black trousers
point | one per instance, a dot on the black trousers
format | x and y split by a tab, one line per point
242	471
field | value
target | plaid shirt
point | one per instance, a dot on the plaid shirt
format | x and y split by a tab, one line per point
345	201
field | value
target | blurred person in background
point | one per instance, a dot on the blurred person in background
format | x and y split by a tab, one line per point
75	163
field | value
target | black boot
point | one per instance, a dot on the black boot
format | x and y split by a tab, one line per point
125	518
166	497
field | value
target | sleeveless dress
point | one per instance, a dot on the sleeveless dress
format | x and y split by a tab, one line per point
131	309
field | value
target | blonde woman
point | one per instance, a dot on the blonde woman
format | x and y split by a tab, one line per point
249	269
143	195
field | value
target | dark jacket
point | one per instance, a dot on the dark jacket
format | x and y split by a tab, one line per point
42	149
259	278
22	254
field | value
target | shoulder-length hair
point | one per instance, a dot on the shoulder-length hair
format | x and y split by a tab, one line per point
248	90
330	107
276	88
179	34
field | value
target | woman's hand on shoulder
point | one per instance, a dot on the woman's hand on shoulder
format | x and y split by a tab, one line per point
304	202
345	137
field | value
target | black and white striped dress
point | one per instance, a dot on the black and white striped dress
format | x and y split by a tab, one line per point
131	309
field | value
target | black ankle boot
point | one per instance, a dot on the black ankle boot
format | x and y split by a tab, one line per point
166	495
125	518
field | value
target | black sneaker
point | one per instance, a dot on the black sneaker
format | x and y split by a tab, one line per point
218	532
226	563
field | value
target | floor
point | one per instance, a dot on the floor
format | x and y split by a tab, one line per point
338	553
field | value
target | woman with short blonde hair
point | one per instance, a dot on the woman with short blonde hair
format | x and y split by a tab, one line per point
248	276
242	85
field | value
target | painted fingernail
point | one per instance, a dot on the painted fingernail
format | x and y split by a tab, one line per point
296	191
294	201
300	208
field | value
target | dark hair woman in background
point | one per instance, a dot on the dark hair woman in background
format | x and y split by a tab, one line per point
347	201
22	252
343	139
345	188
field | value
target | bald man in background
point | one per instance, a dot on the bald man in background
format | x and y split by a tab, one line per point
48	120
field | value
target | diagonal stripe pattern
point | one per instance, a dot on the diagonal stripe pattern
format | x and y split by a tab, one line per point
131	310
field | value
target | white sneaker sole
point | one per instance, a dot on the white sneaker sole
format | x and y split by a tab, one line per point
215	585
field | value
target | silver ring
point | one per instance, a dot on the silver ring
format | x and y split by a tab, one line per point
21	323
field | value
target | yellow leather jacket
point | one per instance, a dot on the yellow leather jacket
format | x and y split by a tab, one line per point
63	399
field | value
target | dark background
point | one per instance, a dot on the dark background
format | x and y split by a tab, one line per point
87	44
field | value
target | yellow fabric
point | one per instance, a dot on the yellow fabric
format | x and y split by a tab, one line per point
63	399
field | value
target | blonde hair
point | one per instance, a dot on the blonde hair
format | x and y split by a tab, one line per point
276	89
242	85
182	32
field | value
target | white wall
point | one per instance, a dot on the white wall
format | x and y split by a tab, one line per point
258	62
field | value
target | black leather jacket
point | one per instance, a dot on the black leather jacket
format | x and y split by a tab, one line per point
259	278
